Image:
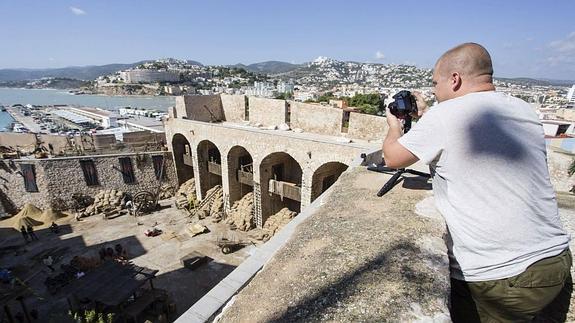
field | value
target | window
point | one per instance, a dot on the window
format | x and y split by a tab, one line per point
29	175
127	170
158	162
90	173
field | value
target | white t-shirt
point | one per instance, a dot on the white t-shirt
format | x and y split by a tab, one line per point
491	184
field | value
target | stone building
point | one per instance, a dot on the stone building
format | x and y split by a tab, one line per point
51	182
287	153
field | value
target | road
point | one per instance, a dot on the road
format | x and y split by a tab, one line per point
27	121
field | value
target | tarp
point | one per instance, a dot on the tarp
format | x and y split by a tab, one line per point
50	215
31	211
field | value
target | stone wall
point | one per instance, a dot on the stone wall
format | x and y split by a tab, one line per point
195	107
316	118
307	150
234	107
366	126
26	142
58	178
267	112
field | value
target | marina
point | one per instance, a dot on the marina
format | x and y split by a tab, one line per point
11	96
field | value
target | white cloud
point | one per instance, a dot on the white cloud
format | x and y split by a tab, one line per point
379	55
77	11
562	52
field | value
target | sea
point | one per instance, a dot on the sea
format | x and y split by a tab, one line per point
10	96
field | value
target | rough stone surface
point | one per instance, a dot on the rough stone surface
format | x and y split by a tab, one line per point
366	126
234	107
359	258
268	112
58	178
316	118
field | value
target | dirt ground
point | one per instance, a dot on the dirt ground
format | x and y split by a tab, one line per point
85	238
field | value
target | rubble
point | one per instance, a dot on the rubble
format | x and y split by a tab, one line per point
166	191
186	195
273	224
215	208
241	213
105	201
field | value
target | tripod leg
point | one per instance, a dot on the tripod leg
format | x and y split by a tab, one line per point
390	183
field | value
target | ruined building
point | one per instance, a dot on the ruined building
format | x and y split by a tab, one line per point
287	153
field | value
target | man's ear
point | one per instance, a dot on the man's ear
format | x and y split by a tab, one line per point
455	81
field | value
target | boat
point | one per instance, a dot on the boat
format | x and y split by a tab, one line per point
3	108
18	127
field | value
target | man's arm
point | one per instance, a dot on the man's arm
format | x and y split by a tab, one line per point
395	155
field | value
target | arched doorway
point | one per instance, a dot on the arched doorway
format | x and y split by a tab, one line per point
324	177
183	158
240	172
280	181
210	166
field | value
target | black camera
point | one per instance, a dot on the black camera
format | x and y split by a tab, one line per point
404	105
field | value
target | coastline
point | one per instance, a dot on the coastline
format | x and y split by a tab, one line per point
10	96
98	94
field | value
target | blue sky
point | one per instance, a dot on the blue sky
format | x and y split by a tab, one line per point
525	38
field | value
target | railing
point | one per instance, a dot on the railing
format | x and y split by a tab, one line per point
214	168
188	160
245	178
285	189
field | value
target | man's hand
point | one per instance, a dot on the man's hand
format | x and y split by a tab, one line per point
392	121
421	104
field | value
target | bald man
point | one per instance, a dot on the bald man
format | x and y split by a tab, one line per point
508	252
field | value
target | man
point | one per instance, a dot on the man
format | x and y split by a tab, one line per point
509	256
31	233
24	233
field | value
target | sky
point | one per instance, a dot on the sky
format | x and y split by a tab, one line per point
525	38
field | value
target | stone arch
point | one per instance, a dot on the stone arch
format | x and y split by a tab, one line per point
209	166
285	189
182	158
240	173
324	176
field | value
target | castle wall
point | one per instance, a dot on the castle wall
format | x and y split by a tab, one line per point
267	112
234	107
58	178
309	152
366	126
316	118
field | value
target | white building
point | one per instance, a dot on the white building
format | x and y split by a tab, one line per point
571	95
261	89
149	76
285	87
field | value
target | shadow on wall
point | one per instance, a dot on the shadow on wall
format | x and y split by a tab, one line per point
416	285
492	135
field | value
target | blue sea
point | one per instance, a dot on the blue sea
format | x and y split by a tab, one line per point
5	121
10	96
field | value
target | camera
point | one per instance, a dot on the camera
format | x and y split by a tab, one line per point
404	105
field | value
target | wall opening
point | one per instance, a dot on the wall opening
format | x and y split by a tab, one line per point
324	177
90	172
210	163
280	180
183	158
247	109
240	172
127	170
345	121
